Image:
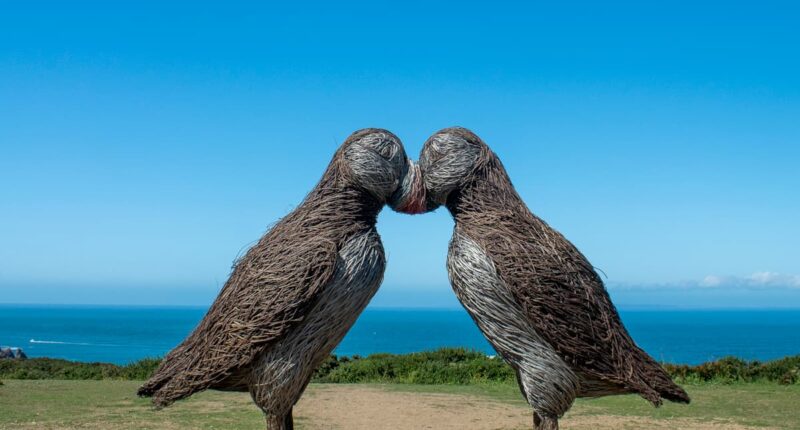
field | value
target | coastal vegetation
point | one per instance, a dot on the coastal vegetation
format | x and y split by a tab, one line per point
453	366
54	368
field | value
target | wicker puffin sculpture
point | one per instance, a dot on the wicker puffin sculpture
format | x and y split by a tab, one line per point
292	297
534	296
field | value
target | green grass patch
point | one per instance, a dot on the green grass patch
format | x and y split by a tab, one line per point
54	404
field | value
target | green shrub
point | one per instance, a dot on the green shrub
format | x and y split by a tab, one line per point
442	366
52	368
730	369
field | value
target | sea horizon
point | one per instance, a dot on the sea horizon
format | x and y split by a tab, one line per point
627	307
124	333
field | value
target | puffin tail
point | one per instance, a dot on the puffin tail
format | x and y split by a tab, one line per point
168	384
655	384
149	388
167	389
153	386
672	392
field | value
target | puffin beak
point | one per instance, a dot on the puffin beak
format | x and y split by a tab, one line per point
440	201
410	196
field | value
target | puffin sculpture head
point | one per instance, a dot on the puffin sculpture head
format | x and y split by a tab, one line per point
374	160
449	160
371	159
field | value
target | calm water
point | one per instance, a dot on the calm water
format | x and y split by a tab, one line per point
124	334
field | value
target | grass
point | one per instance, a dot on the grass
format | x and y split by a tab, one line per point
751	404
106	404
109	404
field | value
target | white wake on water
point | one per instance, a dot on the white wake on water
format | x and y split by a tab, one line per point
56	342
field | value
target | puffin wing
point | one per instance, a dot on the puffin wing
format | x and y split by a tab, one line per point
566	302
270	290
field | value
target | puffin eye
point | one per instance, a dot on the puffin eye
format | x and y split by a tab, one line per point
387	151
435	153
438	148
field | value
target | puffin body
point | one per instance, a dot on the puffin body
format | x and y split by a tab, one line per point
281	373
534	296
290	300
545	380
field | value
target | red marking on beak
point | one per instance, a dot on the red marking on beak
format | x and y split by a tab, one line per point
414	202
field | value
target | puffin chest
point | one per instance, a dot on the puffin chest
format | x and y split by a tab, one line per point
357	276
287	366
489	302
546	380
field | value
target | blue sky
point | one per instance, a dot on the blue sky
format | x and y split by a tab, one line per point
144	146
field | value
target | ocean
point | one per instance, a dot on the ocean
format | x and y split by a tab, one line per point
118	334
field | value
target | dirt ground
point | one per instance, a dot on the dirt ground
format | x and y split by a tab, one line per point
362	408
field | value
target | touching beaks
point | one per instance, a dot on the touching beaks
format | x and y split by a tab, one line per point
410	196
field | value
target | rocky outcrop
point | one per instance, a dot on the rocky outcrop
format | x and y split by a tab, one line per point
12	353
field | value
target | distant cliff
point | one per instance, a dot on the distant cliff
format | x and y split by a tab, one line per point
12	353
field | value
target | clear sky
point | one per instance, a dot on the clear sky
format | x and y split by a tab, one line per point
143	146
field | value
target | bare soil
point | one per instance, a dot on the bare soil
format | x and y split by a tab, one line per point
368	408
